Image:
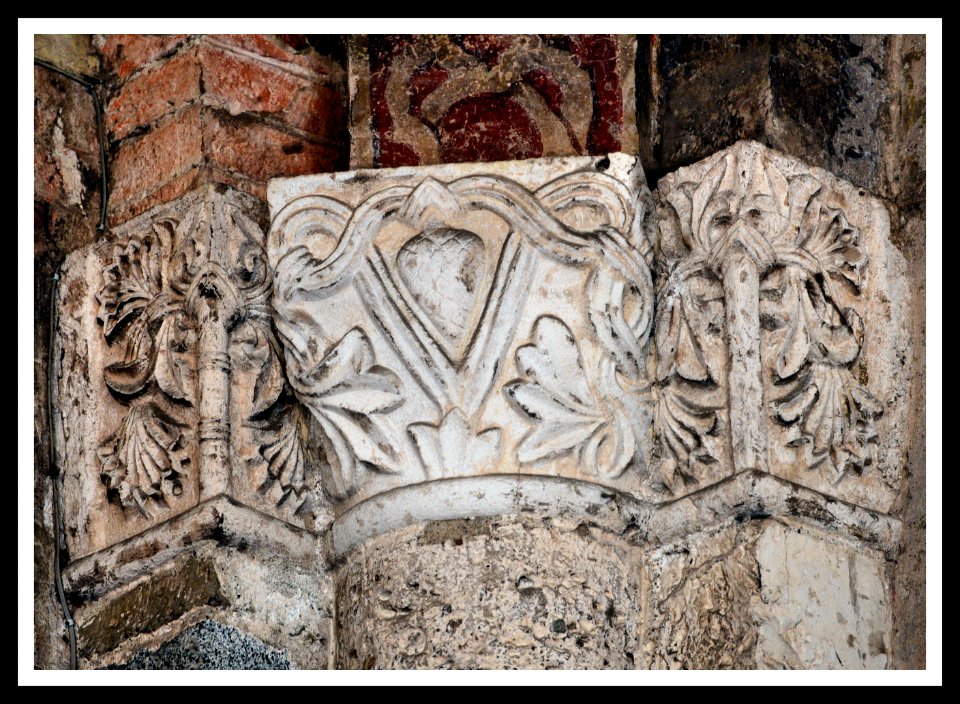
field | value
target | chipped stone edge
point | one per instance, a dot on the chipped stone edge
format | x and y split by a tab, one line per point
745	496
219	518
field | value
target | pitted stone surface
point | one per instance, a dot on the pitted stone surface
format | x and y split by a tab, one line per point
491	593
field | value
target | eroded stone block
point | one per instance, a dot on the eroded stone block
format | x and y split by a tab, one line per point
504	592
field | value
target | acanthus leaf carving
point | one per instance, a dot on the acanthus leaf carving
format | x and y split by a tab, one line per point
571	417
350	396
286	459
139	461
747	223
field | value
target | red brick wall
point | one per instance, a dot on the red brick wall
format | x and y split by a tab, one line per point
183	111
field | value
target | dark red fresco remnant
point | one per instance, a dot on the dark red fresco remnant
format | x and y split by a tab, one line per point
381	49
423	82
473	129
552	94
488	127
598	54
392	154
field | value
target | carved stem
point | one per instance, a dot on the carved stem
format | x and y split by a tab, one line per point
741	285
214	371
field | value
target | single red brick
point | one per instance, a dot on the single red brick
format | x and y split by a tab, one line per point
241	183
145	163
126	53
239	84
269	46
260	151
169	191
154	93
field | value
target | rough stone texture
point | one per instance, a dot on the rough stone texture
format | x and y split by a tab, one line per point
491	593
428	99
909	647
73	52
853	104
769	594
697	94
221	561
701	593
209	646
65	212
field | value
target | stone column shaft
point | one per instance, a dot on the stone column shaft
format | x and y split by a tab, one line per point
741	285
214	407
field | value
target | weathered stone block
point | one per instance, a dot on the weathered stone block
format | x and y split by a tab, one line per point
699	93
219	561
781	328
769	594
209	646
501	593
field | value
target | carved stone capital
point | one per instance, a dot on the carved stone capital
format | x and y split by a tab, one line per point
781	328
469	321
170	381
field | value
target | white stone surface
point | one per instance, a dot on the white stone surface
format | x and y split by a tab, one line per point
824	603
468	319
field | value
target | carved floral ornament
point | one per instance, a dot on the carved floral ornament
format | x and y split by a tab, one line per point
459	321
758	339
186	301
755	321
443	272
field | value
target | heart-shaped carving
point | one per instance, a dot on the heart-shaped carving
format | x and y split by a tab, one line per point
443	269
